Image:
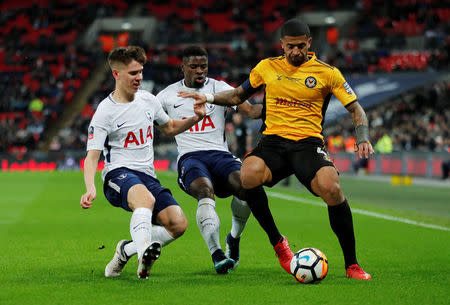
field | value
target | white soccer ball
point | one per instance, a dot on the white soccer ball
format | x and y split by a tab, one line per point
309	265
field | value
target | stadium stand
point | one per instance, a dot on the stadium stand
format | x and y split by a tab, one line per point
41	64
44	63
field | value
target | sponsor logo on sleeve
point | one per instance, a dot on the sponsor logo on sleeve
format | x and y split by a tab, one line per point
348	89
91	132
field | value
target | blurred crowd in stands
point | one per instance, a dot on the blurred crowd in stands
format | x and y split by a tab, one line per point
41	66
43	63
416	120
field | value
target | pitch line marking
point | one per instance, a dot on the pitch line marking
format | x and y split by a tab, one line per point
362	212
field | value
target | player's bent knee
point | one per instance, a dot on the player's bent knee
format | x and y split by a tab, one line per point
179	228
201	188
140	197
174	220
254	172
331	193
251	179
234	182
248	182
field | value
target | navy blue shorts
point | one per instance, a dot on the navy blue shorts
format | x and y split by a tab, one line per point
120	180
215	165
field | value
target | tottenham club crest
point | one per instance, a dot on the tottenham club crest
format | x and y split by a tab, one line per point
310	82
210	107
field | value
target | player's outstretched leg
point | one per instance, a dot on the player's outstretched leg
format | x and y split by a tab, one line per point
341	222
355	272
150	255
222	263
284	254
209	224
232	249
119	260
240	214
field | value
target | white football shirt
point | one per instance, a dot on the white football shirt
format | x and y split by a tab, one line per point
124	131
209	133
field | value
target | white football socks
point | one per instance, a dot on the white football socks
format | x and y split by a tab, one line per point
159	234
240	214
141	229
130	249
208	222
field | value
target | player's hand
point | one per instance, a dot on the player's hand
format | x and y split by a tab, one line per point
199	98
200	110
364	149
87	198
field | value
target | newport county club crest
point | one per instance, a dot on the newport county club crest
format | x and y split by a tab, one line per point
148	115
310	82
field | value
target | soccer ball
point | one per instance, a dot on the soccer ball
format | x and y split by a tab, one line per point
309	265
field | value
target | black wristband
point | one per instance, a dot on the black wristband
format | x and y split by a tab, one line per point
362	134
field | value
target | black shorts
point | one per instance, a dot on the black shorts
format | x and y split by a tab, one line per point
285	157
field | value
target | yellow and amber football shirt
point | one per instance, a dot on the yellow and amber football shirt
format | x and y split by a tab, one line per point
296	98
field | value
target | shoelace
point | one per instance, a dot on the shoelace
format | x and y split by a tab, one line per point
357	269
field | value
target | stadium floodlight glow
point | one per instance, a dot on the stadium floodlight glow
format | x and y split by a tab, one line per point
126	25
330	19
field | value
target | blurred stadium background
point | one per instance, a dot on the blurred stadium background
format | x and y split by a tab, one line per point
54	73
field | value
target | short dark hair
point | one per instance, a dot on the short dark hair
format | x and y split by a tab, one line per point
125	55
194	51
295	27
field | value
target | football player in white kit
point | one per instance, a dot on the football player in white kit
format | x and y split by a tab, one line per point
122	127
205	166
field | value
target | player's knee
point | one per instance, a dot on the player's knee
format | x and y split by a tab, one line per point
234	182
331	192
251	178
141	204
201	188
254	173
178	226
249	182
140	197
205	192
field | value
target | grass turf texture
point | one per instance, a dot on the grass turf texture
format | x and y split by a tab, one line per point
53	252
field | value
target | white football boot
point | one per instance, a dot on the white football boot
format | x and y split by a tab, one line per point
120	259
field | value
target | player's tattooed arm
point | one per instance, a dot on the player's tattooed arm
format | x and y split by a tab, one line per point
358	115
225	98
362	146
252	111
235	97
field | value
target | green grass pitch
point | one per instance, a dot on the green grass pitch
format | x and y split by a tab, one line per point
53	252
